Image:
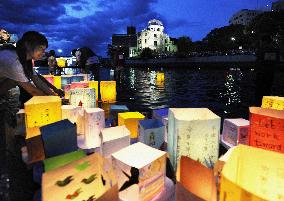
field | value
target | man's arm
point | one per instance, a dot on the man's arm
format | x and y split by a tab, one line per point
31	89
41	85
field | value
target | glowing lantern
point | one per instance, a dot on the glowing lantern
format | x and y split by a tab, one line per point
130	120
57	82
252	174
267	129
235	131
77	78
35	149
40	111
67	88
273	102
61	62
193	132
160	77
94	123
162	115
114	139
75	85
49	78
66	79
54	134
89	178
145	167
151	132
108	91
61	160
195	182
84	76
83	96
94	85
114	110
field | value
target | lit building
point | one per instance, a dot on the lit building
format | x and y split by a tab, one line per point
244	16
278	5
154	38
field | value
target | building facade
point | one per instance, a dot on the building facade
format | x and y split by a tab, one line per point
153	37
244	16
278	5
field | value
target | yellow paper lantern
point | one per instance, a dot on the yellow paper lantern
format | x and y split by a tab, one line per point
160	77
273	102
94	85
57	82
130	120
89	178
252	174
40	111
61	62
108	91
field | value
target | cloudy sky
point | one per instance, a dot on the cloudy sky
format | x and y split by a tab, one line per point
70	24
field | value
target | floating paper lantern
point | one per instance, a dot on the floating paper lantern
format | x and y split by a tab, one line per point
130	120
35	149
67	88
66	79
108	91
252	174
84	97
89	178
53	136
235	131
193	132
40	111
160	77
85	77
195	182
49	78
57	82
114	139
273	102
114	110
77	78
61	160
267	129
81	84
142	166
94	85
162	115
61	62
94	123
151	132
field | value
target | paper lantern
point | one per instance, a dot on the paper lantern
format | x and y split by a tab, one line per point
89	178
81	84
61	62
195	182
20	117
94	123
273	102
61	160
160	77
84	97
114	110
235	131
108	91
162	115
252	174
145	169
35	149
53	136
66	79
57	82
193	132
40	111
130	120
114	139
94	85
267	129
49	78
77	78
84	76
151	132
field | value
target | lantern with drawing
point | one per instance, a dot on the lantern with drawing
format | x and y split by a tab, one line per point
81	84
273	102
84	97
267	129
94	85
193	132
40	111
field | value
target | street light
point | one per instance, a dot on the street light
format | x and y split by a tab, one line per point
233	38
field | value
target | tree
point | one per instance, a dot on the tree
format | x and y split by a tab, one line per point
184	45
147	53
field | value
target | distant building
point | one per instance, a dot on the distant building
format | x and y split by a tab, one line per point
125	41
244	16
154	38
278	5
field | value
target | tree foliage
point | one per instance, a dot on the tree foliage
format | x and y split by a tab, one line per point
184	45
147	53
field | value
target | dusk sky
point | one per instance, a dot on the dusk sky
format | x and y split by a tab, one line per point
70	24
